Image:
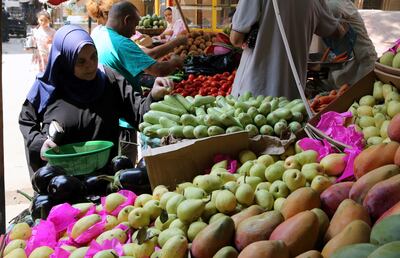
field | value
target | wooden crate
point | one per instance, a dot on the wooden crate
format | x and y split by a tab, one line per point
391	5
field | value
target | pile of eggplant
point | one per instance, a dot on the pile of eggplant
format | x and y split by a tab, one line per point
52	185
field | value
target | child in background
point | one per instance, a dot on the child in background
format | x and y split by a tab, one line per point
43	37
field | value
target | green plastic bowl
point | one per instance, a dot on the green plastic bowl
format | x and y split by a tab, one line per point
80	158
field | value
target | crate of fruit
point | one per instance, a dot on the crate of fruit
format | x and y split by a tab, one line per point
387	68
151	25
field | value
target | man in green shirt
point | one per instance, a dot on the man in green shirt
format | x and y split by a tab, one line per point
118	51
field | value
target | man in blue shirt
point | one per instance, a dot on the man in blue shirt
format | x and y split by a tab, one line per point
118	51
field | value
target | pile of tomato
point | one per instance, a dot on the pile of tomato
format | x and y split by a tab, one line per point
217	85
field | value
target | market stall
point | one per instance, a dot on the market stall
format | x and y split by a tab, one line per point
253	176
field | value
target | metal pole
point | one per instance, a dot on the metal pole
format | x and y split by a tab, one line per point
2	190
178	5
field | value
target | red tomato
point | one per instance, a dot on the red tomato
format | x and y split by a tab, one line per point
226	74
214	90
222	93
180	90
191	77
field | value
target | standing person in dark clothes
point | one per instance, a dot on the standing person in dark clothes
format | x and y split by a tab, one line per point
5	30
85	99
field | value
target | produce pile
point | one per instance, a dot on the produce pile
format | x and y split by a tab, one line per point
198	41
217	85
266	208
203	116
373	113
54	186
321	101
152	22
391	58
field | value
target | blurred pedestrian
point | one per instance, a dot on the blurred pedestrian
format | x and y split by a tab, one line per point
5	29
43	37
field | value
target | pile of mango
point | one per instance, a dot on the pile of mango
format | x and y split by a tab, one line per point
203	116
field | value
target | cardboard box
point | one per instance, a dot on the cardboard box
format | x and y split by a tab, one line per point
176	163
363	87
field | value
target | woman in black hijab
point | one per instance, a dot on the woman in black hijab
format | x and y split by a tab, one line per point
87	100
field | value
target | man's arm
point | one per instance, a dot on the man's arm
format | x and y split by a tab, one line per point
237	38
164	49
161	69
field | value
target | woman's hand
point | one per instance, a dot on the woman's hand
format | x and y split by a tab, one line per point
46	145
162	86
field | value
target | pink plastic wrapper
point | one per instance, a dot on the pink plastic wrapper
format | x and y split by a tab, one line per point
95	247
395	47
91	233
60	253
43	234
348	173
322	148
130	200
62	216
232	164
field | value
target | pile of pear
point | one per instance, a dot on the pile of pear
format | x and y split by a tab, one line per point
373	113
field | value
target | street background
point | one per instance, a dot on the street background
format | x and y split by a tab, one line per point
18	76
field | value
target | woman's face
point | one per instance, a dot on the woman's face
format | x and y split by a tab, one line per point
168	16
86	64
43	21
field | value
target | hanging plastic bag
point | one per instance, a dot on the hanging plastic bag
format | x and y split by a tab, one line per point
212	64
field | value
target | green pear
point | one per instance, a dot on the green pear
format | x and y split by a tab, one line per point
177	223
226	177
245	168
209	211
396	60
379	109
208	183
153	208
167	234
222	164
393	108
275	171
374	140
294	179
139	218
190	210
111	222
195	228
366	121
84	224
245	194
279	189
384	128
124	213
246	155
194	193
216	217
258	170
279	203
173	203
226	252
387	58
378	91
305	157
141	200
265	199
320	183
364	111
379	119
160	225
14	244
266	160
182	186
116	233
165	197
367	100
158	191
311	170
291	162
263	186
370	131
113	201
297	147
251	180
387	88
79	252
289	151
392	96
217	171
225	202
134	249
214	195
231	186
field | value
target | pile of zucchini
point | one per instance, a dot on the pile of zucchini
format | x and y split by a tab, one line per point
203	116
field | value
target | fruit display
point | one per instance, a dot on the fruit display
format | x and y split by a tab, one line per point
267	208
203	116
391	58
198	41
372	113
217	85
321	101
152	22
